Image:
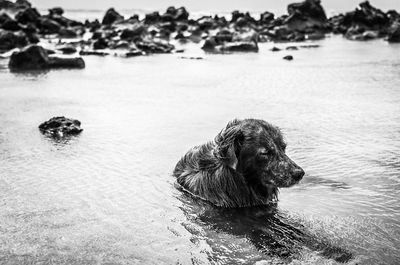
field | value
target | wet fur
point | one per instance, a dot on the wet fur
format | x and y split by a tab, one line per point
218	172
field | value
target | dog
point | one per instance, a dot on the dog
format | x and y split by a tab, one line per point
243	167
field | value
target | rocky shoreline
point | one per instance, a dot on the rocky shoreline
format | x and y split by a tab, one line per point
23	27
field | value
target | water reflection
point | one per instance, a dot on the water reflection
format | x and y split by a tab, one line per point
31	75
311	180
270	230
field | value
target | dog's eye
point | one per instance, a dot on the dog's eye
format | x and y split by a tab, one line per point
265	152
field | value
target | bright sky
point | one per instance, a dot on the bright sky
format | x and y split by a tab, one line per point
278	6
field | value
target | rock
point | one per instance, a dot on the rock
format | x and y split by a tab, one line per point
10	40
11	24
133	53
315	36
275	49
34	57
4	4
365	18
56	62
31	57
152	18
288	57
266	18
192	57
134	32
206	23
154	46
210	44
240	47
48	26
61	127
181	14
292	48
56	11
100	44
67	33
394	33
4	17
29	15
18	5
309	9
111	17
22	4
93	53
68	49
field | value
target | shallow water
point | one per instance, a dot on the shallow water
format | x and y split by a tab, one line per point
107	196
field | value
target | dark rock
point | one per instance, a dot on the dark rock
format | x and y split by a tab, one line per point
308	8
152	18
22	4
60	127
56	62
93	53
154	47
111	17
67	33
63	21
4	17
394	33
292	48
133	53
34	57
310	46
236	15
29	15
10	40
275	49
133	32
224	35
100	44
31	57
240	47
191	57
11	24
56	11
181	14
68	49
206	23
48	26
365	18
315	36
266	18
288	57
4	4
210	44
122	44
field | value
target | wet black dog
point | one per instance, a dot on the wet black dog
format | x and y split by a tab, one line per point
244	166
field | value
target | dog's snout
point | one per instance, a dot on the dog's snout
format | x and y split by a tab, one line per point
298	174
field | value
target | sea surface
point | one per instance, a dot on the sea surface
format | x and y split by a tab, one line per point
108	197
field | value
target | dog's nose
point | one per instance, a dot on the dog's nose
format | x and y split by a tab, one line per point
298	174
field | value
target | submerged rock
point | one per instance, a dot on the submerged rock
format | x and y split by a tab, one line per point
34	57
60	127
240	46
288	57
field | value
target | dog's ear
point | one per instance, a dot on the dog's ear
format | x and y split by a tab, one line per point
229	142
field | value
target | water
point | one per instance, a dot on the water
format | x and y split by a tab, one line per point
107	196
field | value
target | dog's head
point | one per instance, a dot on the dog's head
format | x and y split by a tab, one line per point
256	150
